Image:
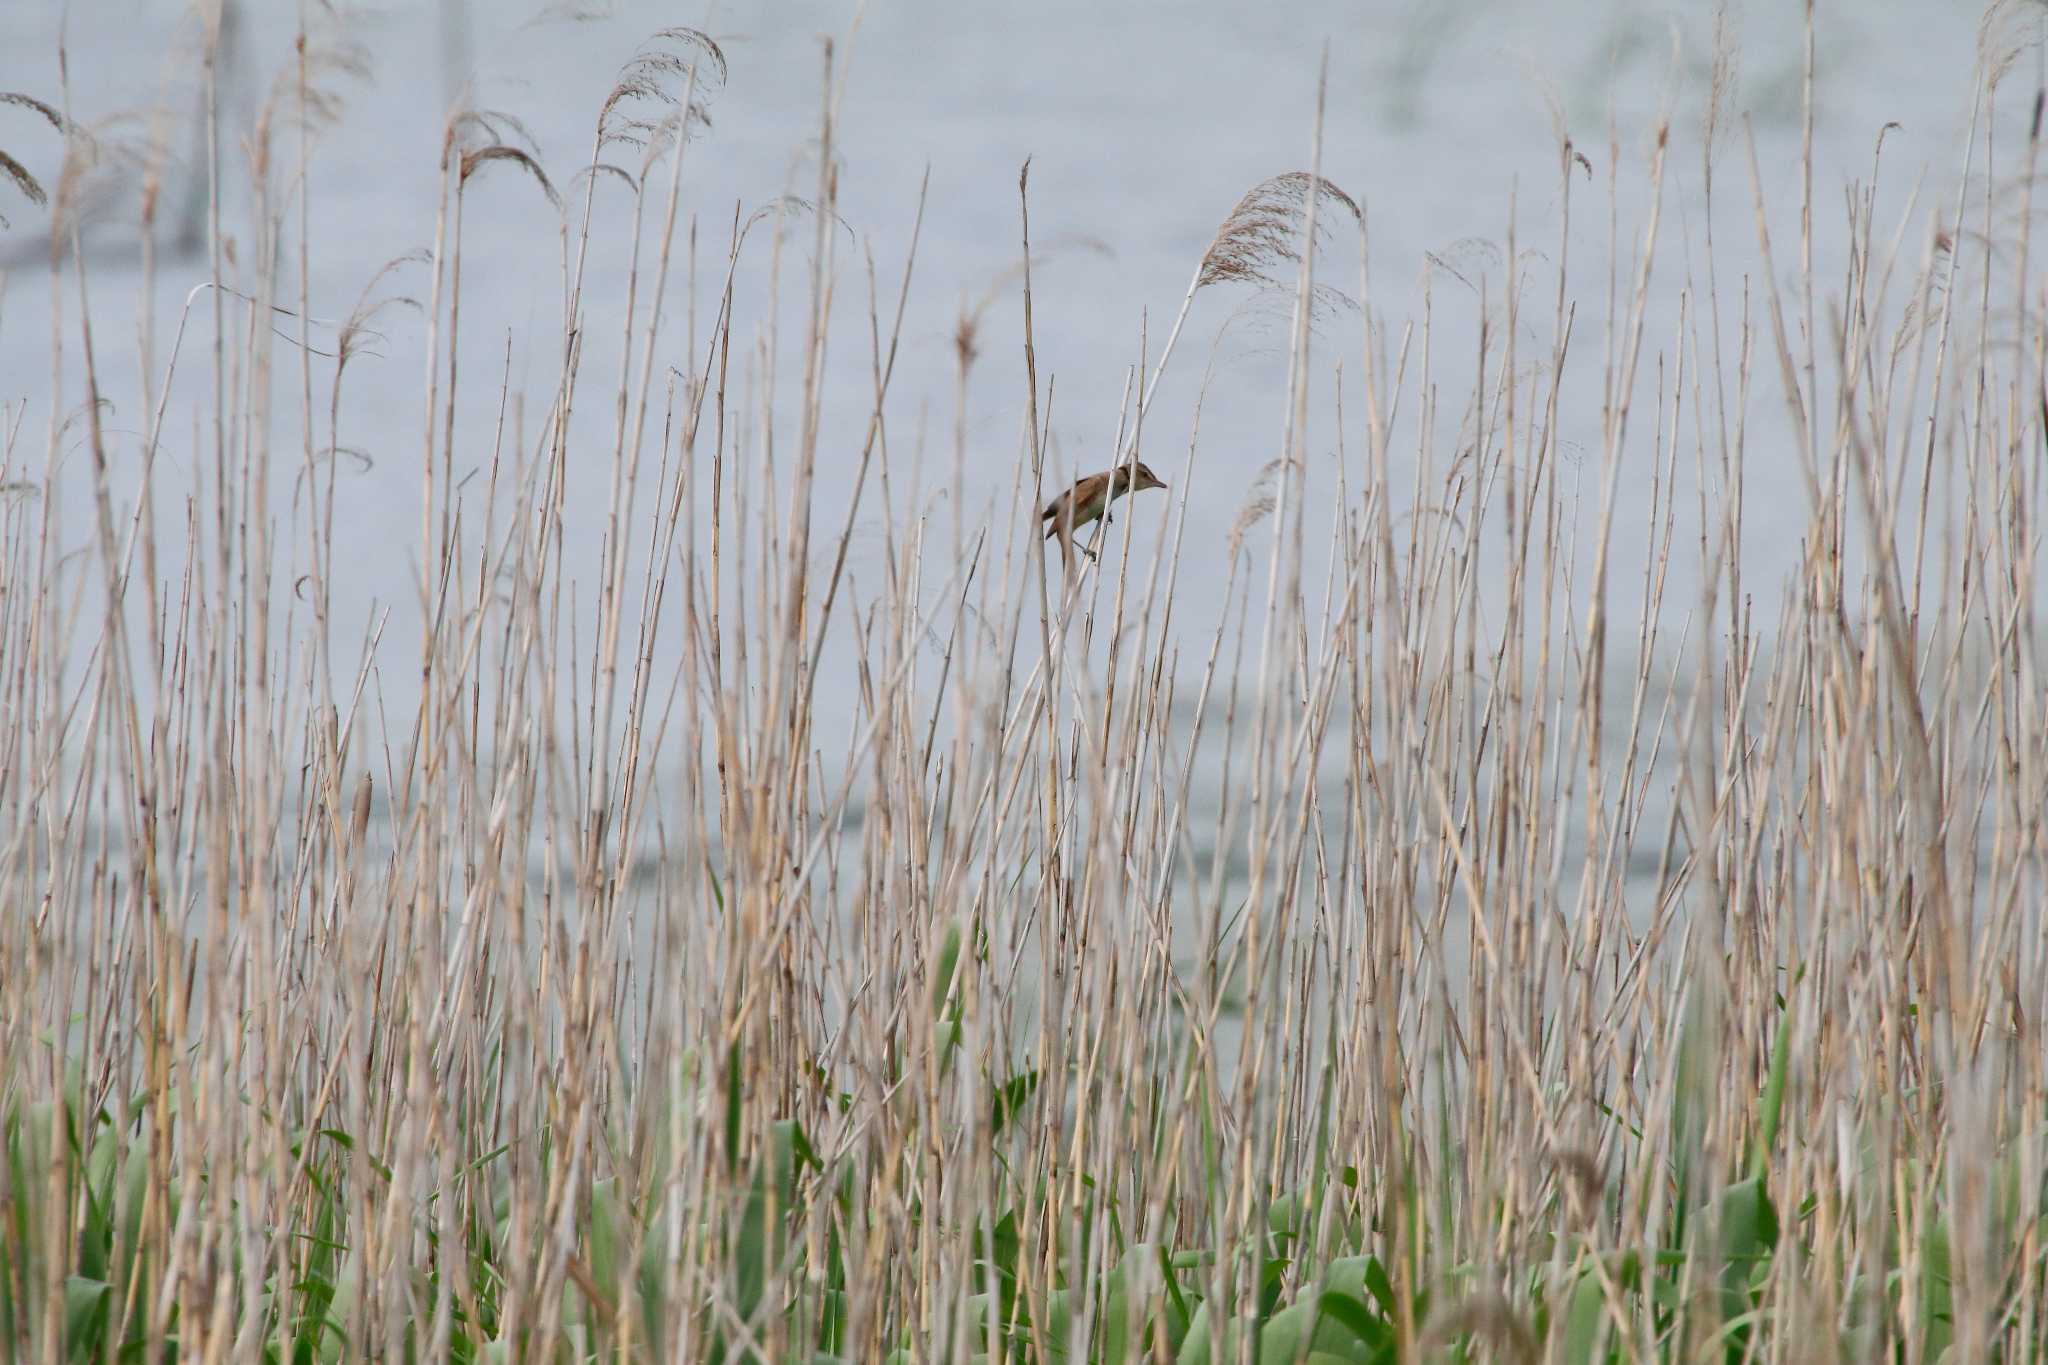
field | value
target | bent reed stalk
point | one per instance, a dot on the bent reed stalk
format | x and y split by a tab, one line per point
1440	969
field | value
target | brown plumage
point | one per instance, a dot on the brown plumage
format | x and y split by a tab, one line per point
1089	499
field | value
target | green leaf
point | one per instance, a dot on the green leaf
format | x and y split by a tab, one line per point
1285	1216
1380	1287
732	1105
832	1314
85	1314
1271	1283
1773	1104
1009	1098
1195	1347
1280	1340
1059	1322
603	1237
1332	1325
1116	1326
1937	1300
763	1233
1349	1313
1584	1321
1180	1303
1749	1223
340	1137
943	969
1127	1335
1749	1232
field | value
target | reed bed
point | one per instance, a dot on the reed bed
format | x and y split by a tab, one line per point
1437	960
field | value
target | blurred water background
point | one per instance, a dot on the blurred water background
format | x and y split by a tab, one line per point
1144	123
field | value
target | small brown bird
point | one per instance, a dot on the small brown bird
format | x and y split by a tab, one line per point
1089	499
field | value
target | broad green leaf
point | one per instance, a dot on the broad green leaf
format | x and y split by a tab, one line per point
1281	1339
1937	1303
1127	1327
1773	1103
732	1105
1584	1323
943	969
604	1236
1009	1098
1348	1313
85	1315
1196	1348
1380	1287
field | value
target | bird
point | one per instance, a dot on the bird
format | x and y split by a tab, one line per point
1089	499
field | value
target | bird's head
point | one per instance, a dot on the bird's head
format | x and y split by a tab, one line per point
1136	478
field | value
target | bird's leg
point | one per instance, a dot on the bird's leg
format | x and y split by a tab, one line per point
1064	529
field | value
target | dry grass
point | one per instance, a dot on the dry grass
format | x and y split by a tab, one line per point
1535	984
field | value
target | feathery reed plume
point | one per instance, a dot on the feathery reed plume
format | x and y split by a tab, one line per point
29	102
1721	83
792	206
30	188
1258	504
469	126
1255	239
498	151
313	92
1261	234
356	332
2006	29
678	69
599	168
92	166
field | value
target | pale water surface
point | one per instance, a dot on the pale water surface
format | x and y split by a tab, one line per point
1144	122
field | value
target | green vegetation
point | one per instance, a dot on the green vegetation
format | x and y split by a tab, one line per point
1544	978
